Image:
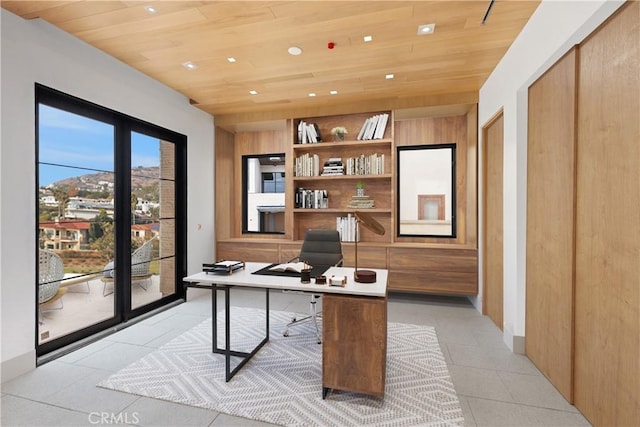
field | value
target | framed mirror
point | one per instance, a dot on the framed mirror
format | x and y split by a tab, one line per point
426	190
263	198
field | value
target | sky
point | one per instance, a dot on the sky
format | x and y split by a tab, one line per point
80	142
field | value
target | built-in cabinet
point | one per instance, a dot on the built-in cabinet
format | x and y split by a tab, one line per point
416	264
583	223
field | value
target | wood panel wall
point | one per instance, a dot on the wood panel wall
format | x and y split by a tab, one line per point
260	142
415	264
224	185
607	302
440	130
493	282
550	219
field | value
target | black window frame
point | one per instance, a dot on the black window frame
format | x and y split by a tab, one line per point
124	125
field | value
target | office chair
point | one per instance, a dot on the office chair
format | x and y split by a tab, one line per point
320	248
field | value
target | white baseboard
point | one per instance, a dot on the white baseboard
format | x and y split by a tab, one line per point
13	368
514	342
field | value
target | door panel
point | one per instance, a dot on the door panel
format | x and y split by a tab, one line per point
607	318
76	228
493	147
550	218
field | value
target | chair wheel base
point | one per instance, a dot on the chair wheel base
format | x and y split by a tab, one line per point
285	334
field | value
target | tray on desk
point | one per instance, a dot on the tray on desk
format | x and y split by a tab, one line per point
222	267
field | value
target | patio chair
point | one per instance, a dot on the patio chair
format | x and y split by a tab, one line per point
50	274
140	261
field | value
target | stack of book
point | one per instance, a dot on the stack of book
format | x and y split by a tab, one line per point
333	166
361	202
374	127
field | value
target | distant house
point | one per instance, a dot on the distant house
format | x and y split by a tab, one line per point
145	231
65	234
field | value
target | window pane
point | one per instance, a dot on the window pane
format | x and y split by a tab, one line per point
153	213
76	227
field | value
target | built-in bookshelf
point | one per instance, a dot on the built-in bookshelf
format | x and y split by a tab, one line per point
364	158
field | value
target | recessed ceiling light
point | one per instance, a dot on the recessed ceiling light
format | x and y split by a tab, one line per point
389	76
294	50
367	39
312	94
426	29
231	59
253	92
150	9
334	92
189	65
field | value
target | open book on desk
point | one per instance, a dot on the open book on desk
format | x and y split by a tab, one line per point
296	267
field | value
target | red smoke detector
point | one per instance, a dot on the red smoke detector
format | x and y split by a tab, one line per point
331	45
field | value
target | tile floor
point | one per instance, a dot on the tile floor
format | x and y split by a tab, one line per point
495	386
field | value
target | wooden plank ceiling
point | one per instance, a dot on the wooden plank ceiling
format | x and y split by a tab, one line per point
446	67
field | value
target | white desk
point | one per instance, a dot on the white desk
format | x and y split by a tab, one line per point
246	278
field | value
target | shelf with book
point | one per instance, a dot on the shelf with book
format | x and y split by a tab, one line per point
360	127
386	176
339	210
337	145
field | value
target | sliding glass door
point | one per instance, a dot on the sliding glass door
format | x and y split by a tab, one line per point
111	218
76	225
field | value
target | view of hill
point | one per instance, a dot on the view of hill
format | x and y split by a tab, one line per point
140	177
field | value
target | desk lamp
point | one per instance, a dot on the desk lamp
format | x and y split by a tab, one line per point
365	276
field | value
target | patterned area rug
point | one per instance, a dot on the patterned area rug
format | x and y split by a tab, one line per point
282	384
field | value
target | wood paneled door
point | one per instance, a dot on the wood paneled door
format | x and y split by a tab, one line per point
607	317
583	223
550	218
492	149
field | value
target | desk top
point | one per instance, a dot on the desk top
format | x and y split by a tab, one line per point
244	277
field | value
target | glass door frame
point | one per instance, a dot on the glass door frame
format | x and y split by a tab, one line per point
124	125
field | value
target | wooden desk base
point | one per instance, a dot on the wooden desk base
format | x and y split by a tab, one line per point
354	348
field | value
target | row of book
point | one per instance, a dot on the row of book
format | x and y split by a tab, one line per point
374	127
311	199
346	226
308	133
307	165
373	164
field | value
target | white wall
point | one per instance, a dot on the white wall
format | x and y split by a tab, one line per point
34	51
553	29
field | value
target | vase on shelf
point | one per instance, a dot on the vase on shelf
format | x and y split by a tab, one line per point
339	136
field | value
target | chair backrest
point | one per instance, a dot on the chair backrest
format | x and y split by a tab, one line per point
141	258
321	247
50	274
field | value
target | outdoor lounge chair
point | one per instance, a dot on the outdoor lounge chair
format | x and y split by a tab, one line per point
50	275
140	261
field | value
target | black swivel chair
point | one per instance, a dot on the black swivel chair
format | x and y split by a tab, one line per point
320	248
